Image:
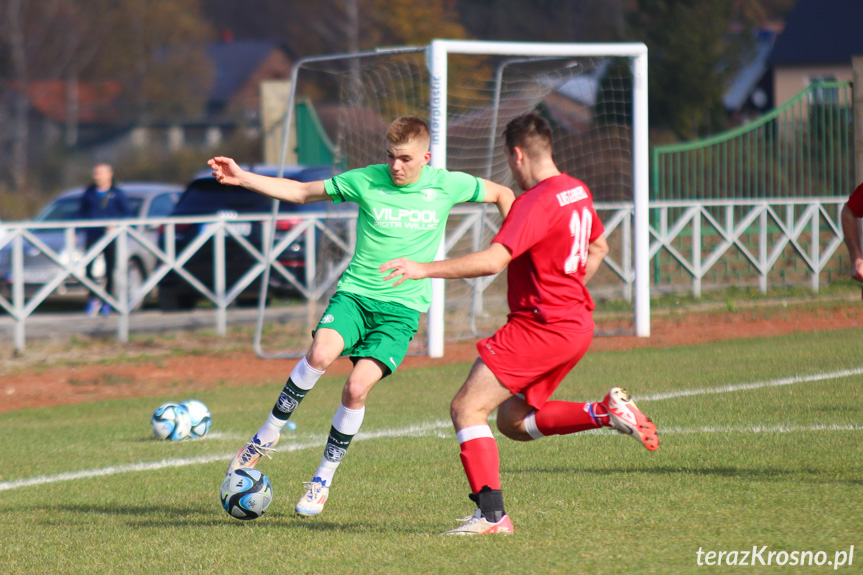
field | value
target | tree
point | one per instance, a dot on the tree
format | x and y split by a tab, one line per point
154	49
691	57
16	132
397	22
334	26
545	20
168	74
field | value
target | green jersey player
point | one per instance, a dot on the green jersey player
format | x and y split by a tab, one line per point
403	208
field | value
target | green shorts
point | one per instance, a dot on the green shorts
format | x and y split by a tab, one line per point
376	329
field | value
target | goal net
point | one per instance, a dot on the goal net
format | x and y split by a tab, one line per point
468	92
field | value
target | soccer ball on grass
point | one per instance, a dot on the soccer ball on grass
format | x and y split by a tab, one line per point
200	416
246	493
171	421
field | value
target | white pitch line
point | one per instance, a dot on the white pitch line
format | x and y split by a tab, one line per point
748	386
739	429
410	431
114	470
761	429
435	427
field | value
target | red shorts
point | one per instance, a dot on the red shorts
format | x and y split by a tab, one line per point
855	202
532	358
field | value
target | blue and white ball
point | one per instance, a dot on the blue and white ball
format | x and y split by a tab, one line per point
200	416
246	493
171	421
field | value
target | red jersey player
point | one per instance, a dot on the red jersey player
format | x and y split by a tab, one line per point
553	242
852	211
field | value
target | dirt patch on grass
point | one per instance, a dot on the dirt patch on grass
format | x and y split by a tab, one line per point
61	373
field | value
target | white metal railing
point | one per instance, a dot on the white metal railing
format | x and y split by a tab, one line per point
811	227
69	261
470	226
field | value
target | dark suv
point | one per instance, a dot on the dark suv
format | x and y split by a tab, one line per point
205	196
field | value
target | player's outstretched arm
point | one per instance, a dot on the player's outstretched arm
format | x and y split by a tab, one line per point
596	251
227	172
485	263
499	195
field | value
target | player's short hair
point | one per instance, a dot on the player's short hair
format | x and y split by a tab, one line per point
407	128
530	132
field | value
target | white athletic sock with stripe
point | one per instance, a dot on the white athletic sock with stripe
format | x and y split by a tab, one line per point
303	379
346	424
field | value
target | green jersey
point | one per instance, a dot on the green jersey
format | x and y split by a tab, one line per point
407	221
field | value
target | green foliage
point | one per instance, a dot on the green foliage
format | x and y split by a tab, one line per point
406	22
734	469
545	20
64	168
182	165
328	26
691	57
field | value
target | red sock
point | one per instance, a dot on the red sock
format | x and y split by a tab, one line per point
565	417
481	462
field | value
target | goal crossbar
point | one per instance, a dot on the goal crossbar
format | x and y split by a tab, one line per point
436	56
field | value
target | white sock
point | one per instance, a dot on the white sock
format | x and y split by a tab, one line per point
271	429
347	423
530	426
304	377
473	432
326	471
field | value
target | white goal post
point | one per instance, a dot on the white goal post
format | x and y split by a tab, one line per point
439	51
595	96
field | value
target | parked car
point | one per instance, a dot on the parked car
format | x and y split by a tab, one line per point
205	196
147	200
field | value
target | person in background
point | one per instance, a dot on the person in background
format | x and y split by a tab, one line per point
102	200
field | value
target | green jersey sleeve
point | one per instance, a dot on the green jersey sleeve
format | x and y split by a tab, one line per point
471	188
349	186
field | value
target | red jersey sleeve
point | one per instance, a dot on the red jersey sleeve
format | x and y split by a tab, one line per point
528	224
518	232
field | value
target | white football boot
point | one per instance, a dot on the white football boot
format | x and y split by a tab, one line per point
479	525
251	453
312	501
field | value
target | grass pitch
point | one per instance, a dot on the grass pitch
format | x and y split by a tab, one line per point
87	489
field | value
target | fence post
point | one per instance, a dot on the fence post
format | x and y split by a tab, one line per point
696	254
815	252
18	302
762	249
311	277
219	279
121	283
